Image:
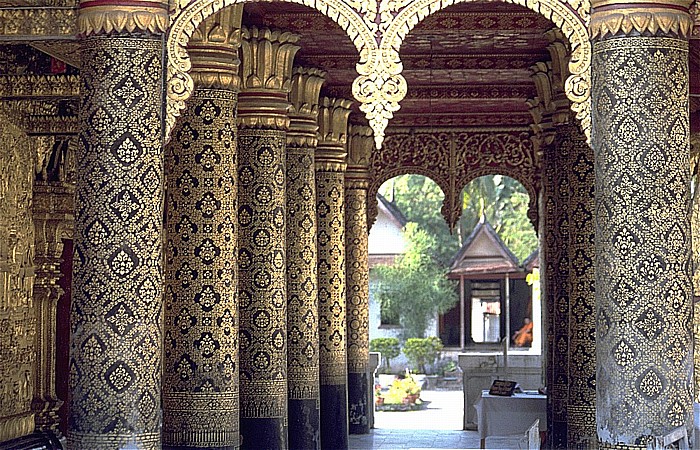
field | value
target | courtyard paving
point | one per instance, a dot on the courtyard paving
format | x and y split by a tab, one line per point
437	427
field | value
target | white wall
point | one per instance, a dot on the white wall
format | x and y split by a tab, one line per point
386	235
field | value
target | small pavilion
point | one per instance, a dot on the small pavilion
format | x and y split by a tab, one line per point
494	297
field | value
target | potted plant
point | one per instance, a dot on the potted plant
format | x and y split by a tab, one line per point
389	348
378	399
422	352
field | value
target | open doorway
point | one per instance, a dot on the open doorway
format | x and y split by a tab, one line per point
473	295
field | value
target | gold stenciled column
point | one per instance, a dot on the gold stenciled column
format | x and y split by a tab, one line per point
200	379
581	365
266	71
330	169
302	261
360	145
640	137
695	227
546	110
576	321
116	335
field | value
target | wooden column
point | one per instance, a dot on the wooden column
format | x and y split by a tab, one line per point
266	71
200	388
330	189
640	136
302	262
360	146
116	322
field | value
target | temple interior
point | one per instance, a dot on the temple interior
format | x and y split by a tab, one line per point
184	208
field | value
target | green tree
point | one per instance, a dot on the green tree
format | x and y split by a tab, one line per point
415	289
388	347
419	198
503	200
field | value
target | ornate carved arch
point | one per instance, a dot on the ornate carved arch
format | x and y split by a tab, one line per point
571	16
186	17
380	86
375	184
453	158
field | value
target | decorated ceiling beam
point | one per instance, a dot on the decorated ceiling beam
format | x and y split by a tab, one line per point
39	86
377	29
453	158
38	23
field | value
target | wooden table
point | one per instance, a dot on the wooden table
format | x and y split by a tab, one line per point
509	416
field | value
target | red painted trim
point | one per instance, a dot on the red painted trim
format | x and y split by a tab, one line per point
639	5
263	94
136	3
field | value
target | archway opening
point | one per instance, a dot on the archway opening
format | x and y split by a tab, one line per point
410	227
410	246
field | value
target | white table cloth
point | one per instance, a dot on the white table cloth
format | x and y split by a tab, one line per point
507	416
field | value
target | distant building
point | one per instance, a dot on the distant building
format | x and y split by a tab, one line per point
386	238
495	298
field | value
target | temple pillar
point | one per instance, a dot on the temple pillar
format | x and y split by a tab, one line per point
52	211
360	145
302	262
549	111
330	169
266	71
200	379
117	283
581	364
640	136
557	191
695	244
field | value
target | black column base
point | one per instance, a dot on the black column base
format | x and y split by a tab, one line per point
189	447
304	425
35	441
267	433
334	417
358	411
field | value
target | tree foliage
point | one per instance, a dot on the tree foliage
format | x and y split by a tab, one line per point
388	347
415	289
422	352
503	200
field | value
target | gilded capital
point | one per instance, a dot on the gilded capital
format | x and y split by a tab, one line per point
550	107
304	97
619	18
360	146
213	49
267	58
97	17
333	117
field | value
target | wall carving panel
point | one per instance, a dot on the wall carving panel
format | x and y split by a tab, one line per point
453	158
18	321
643	285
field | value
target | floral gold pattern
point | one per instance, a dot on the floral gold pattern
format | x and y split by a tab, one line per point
200	382
643	285
117	295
